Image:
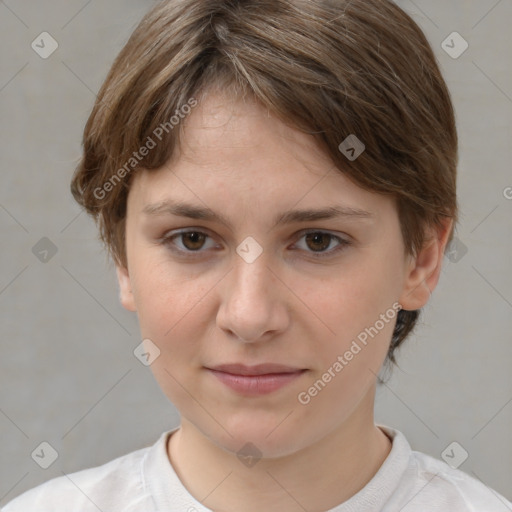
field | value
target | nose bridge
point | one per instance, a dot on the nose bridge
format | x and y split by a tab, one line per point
252	274
249	306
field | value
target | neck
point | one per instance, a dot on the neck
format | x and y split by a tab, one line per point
315	478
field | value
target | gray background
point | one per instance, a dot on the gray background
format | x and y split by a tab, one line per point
68	375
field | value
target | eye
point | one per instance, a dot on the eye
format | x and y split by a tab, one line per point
191	241
319	241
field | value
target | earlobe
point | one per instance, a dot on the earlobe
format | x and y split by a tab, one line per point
424	270
125	289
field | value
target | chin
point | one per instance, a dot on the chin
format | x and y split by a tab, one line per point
259	432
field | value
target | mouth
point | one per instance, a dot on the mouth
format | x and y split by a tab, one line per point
255	380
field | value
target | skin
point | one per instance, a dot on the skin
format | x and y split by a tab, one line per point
289	306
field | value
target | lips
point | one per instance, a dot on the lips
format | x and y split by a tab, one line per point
255	380
259	369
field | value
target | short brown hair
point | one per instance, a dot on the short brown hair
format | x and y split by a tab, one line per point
328	68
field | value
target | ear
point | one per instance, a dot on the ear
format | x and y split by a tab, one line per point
424	269
125	288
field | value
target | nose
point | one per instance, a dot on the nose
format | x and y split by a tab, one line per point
253	302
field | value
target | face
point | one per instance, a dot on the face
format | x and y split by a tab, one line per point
260	286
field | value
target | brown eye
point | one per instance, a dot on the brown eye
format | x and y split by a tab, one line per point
187	242
193	240
319	244
319	241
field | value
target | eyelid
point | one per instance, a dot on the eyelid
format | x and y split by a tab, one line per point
343	241
335	234
167	239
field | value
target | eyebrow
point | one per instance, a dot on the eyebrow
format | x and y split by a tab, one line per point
182	209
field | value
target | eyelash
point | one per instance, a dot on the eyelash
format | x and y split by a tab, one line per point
343	243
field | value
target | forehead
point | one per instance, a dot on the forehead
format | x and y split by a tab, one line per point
234	153
233	127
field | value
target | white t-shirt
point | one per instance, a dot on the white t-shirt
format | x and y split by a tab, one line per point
145	481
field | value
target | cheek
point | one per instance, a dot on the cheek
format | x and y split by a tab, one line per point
358	311
347	362
163	293
172	310
354	299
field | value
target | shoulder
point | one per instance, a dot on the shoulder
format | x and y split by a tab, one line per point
452	489
420	482
117	482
